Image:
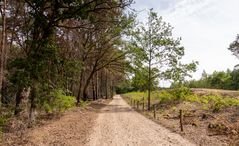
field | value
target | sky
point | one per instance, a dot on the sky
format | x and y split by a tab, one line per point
207	27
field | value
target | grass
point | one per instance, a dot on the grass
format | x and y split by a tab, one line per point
213	102
59	102
4	118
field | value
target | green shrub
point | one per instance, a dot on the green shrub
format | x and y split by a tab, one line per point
181	92
58	102
213	102
192	98
165	96
217	102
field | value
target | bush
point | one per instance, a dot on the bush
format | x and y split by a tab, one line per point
165	96
58	102
217	102
181	92
192	98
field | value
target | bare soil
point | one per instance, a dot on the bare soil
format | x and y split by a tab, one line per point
71	129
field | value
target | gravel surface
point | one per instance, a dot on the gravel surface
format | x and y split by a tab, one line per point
119	125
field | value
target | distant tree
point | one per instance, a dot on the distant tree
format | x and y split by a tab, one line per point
217	80
234	47
204	75
235	79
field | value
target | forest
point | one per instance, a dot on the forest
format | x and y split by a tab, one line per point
61	54
217	80
57	54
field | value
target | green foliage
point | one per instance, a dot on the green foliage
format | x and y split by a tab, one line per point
217	80
136	95
140	79
165	96
234	47
180	92
213	102
217	102
4	117
84	103
157	55
58	102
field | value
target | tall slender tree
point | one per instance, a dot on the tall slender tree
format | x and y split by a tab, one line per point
3	42
157	50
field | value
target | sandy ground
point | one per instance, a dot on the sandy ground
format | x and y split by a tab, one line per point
204	91
119	125
71	129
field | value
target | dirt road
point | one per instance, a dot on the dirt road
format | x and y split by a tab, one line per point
119	125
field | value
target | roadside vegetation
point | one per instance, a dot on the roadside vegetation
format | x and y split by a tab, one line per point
213	116
171	96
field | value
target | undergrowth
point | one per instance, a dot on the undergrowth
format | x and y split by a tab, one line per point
59	102
213	102
4	117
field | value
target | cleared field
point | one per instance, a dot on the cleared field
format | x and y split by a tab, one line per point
204	91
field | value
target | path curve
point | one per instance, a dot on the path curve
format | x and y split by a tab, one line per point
119	125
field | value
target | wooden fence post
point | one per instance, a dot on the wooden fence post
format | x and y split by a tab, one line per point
181	119
143	104
154	111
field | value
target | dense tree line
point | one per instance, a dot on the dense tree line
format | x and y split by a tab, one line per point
70	47
217	80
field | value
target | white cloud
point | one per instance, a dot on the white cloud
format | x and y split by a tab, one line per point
207	27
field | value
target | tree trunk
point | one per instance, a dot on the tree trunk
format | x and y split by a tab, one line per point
93	88
149	81
72	88
101	84
106	85
85	96
18	100
96	86
32	112
150	59
5	99
79	91
3	44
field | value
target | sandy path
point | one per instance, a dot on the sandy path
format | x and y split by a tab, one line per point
119	125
